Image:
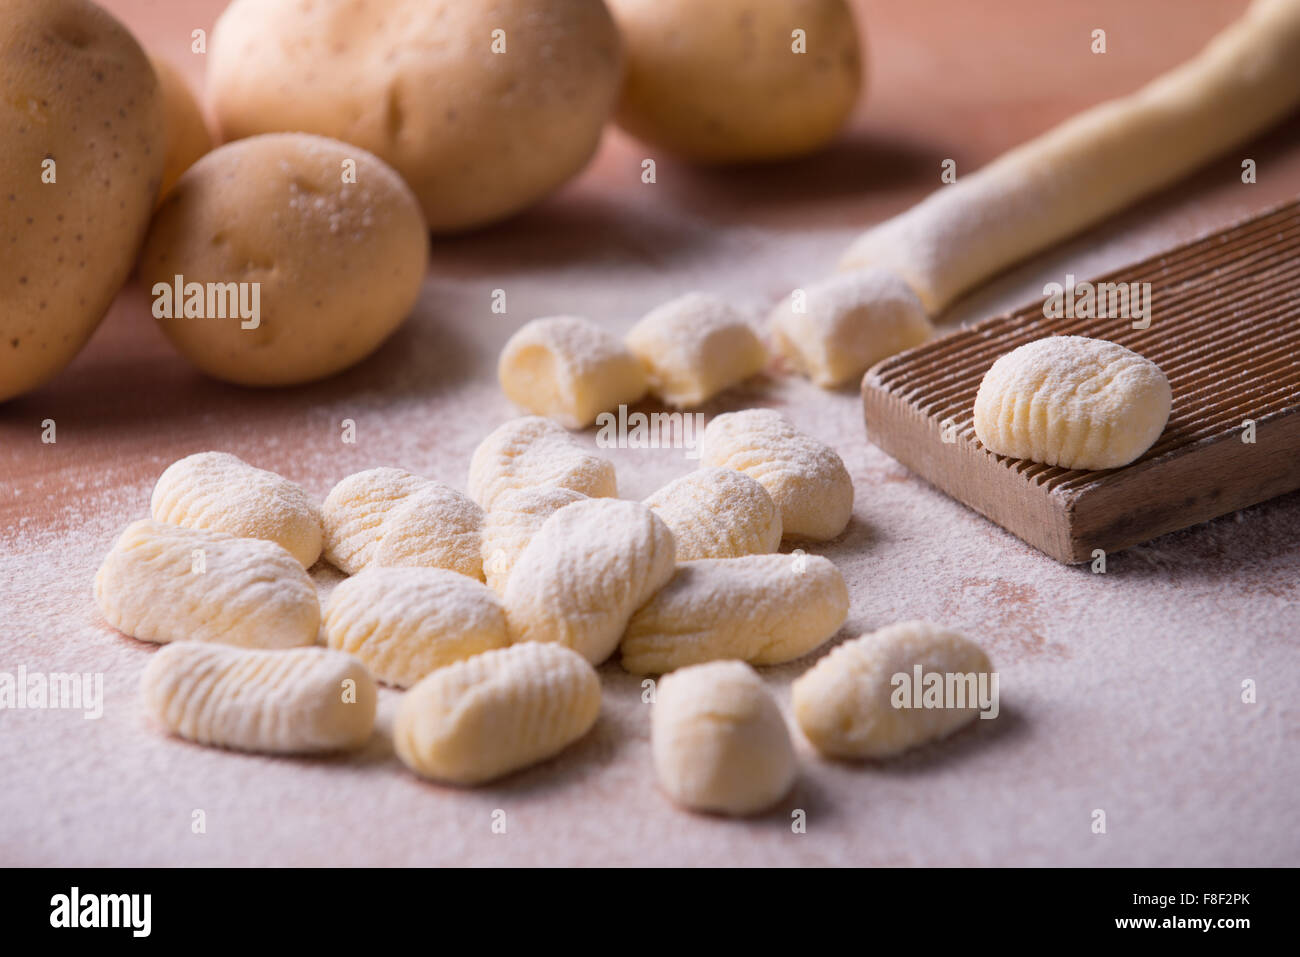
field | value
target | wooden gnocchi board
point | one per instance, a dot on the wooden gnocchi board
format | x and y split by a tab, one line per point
1224	327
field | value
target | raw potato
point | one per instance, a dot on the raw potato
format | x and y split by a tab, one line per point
1073	402
764	609
844	702
694	347
569	369
166	583
339	264
389	516
220	491
718	513
186	131
478	134
721	82
806	478
403	623
498	712
515	518
718	740
303	701
532	452
75	89
848	323
588	568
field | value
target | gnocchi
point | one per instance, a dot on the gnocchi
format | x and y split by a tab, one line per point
806	478
834	331
1072	402
588	568
694	347
303	701
495	713
533	451
166	583
403	623
844	703
718	513
764	609
219	491
511	524
718	740
569	369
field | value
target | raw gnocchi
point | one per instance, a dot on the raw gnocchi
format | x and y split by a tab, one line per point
403	623
514	519
844	702
219	491
1073	402
569	369
495	713
694	347
166	583
718	513
533	451
718	740
806	478
389	516
835	330
302	701
764	609
588	568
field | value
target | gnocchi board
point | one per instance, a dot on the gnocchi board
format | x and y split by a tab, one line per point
1225	328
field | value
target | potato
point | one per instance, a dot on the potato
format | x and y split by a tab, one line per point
187	134
721	81
319	270
81	156
478	134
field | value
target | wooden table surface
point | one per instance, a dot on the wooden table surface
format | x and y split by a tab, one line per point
1121	692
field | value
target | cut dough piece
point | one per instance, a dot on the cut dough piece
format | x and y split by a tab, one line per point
167	583
220	491
515	518
764	609
718	513
1074	402
569	369
835	330
694	347
303	701
403	623
718	740
531	452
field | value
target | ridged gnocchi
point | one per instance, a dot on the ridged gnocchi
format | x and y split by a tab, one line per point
569	369
718	513
588	568
495	713
533	451
763	609
844	703
302	701
219	491
403	623
166	583
1073	402
515	517
805	477
694	347
718	740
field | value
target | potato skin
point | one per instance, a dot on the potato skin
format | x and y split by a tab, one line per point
478	135
75	87
339	264
186	131
719	82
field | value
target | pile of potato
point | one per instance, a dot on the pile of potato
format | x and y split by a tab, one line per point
353	130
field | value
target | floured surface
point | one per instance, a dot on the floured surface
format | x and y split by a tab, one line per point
1119	692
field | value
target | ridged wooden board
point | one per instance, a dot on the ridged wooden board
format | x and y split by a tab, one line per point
1225	328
